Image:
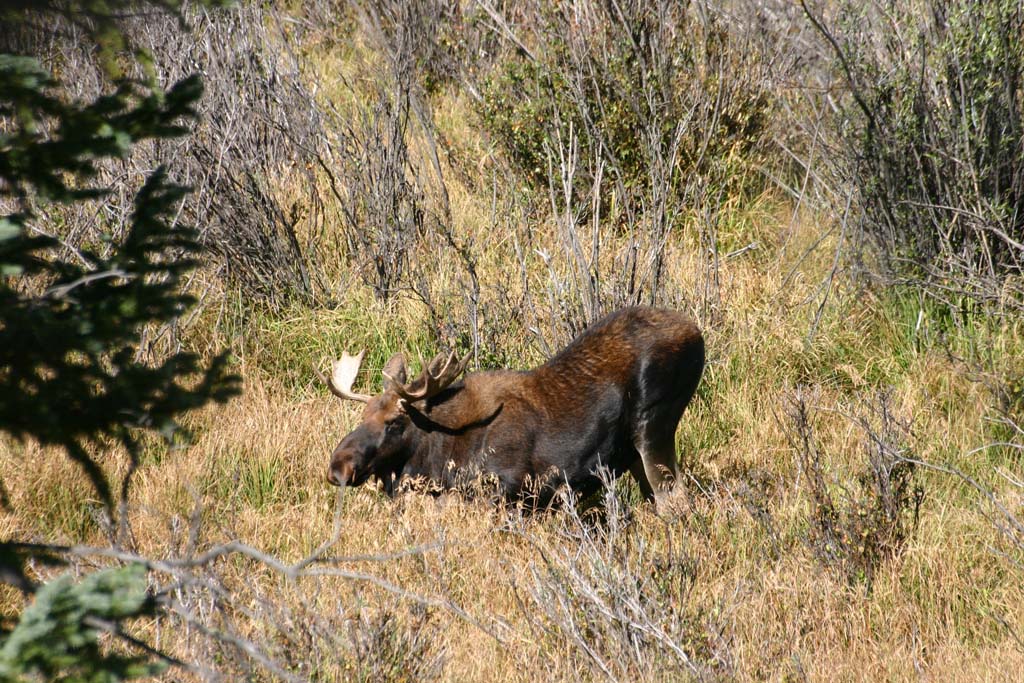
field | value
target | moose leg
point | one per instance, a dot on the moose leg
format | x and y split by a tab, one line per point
637	470
658	457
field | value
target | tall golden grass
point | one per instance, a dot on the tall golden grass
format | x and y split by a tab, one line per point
947	608
733	585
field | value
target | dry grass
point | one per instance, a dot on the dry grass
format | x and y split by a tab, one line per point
727	579
748	598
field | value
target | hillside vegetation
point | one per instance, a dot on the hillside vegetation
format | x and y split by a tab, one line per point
834	193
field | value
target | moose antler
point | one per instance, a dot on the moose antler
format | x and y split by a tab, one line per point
434	378
343	374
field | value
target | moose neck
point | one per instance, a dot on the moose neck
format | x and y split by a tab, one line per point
439	430
453	414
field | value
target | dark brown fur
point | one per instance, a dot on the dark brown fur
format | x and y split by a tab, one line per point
611	399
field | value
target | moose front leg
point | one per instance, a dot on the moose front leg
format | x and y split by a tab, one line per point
637	470
656	470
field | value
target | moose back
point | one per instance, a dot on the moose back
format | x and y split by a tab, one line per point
611	399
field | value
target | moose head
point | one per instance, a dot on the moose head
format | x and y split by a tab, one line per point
382	442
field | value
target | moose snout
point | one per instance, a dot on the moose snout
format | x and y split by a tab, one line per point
341	472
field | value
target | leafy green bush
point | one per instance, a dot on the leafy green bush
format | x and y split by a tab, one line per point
71	323
633	84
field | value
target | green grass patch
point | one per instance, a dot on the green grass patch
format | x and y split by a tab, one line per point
287	346
65	510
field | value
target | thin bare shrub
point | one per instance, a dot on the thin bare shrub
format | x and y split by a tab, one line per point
999	495
634	119
430	32
624	610
1001	489
1001	509
930	133
382	207
391	179
854	527
387	651
230	610
260	134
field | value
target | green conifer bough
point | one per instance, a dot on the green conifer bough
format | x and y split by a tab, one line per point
71	324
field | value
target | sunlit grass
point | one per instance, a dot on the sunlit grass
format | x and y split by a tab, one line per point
733	559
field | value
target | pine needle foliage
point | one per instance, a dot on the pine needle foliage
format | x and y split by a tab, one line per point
74	370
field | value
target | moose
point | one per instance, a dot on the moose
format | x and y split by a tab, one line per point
611	400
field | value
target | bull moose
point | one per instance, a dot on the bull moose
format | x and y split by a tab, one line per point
611	399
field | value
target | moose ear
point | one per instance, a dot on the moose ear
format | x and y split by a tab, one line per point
394	371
